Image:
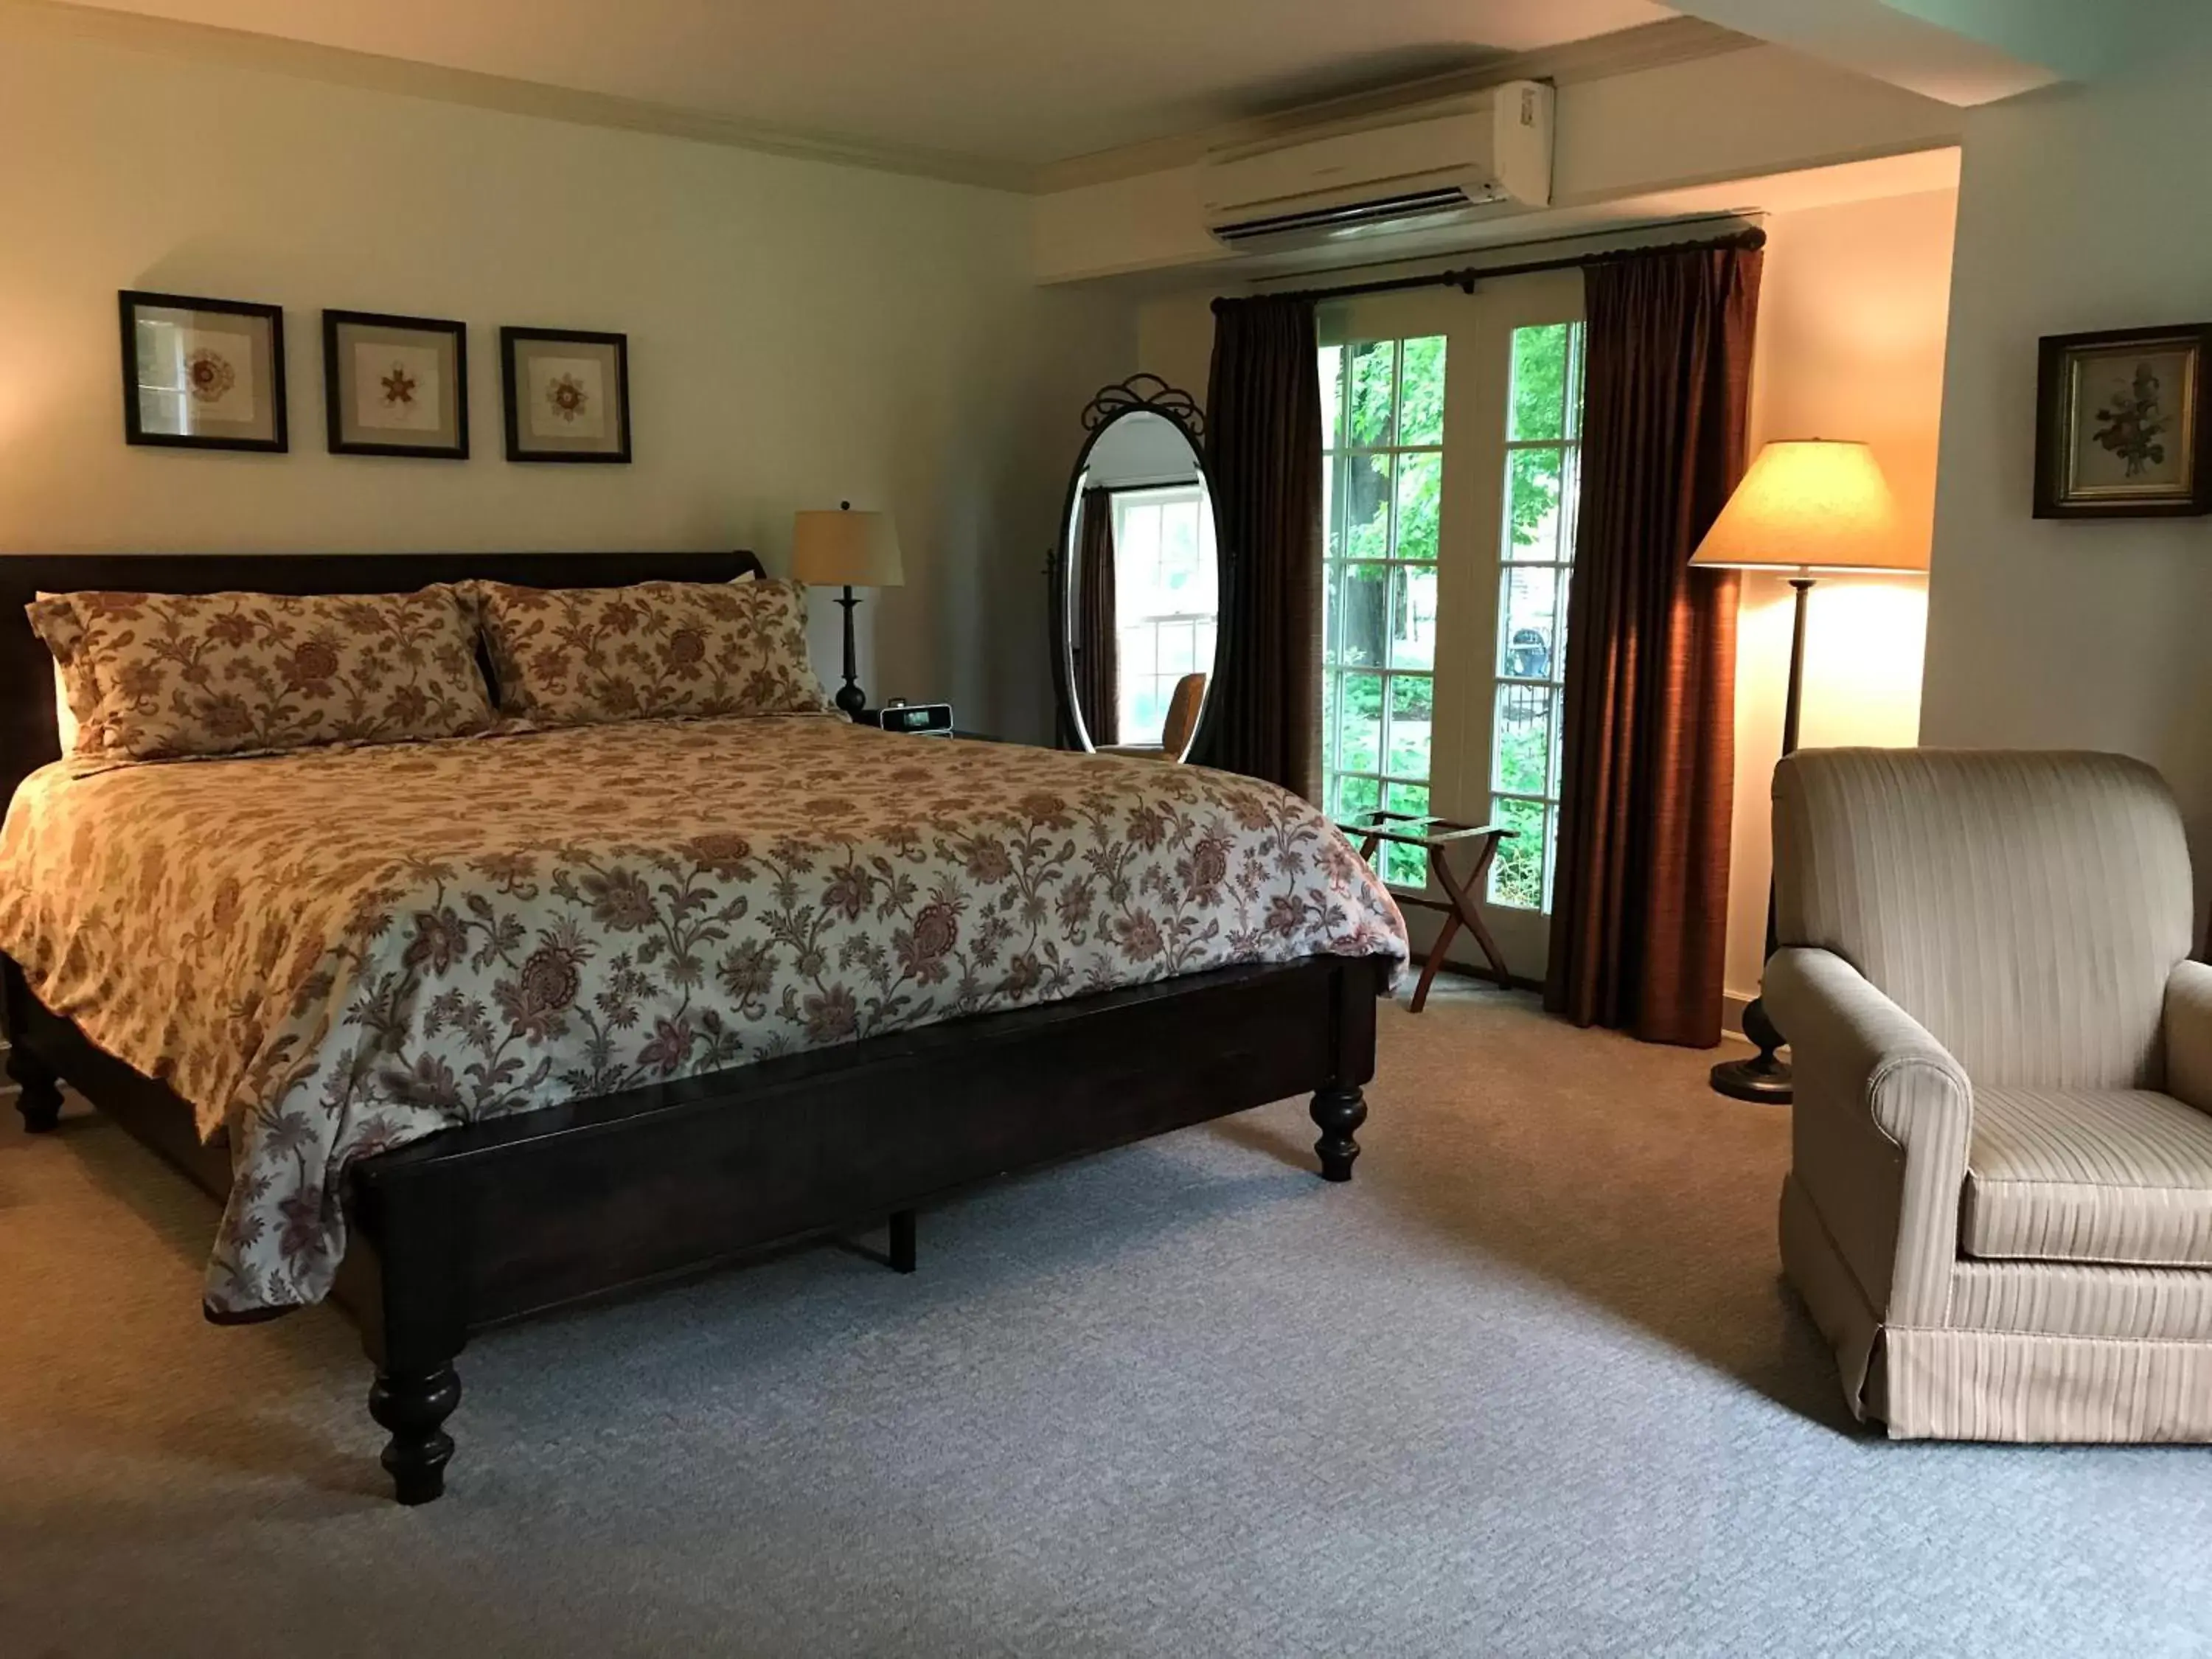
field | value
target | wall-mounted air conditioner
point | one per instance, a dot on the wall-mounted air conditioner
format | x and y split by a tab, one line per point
1412	170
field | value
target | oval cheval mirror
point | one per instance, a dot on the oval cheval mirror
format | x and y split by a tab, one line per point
1137	578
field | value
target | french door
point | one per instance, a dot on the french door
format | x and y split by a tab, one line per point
1452	428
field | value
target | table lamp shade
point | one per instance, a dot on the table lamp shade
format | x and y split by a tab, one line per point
1810	504
845	549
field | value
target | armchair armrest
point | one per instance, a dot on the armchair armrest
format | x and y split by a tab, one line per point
2189	1035
1862	1065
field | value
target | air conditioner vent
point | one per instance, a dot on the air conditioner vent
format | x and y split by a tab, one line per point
1402	212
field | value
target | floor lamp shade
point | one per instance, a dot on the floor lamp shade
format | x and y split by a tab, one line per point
1810	505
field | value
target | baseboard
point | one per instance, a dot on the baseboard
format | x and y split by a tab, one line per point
1733	1003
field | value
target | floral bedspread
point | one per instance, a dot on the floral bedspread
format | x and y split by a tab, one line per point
335	952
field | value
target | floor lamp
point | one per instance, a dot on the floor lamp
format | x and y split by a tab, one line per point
1807	507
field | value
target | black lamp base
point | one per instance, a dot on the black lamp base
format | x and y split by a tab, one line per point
1762	1078
850	697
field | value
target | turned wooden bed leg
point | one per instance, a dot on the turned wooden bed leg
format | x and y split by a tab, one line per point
902	1246
413	1406
40	1097
1338	1112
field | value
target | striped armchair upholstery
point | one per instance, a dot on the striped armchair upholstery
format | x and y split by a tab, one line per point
1999	1207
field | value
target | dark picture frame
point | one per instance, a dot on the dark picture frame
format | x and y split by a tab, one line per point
2122	427
201	377
446	341
540	368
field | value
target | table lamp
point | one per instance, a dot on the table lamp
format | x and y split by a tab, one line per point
846	549
1808	507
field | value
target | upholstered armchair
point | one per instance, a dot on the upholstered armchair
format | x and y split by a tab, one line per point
1999	1207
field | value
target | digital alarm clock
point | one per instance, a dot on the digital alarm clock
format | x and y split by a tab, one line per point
932	720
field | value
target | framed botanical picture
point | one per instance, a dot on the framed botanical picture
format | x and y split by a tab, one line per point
2121	429
202	374
567	394
396	386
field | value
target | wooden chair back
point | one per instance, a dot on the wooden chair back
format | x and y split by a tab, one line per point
1182	723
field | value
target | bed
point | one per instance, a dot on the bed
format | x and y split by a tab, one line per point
617	1004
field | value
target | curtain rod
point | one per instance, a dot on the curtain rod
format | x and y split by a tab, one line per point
1465	278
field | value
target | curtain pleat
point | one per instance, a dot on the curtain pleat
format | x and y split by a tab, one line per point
1098	653
1264	464
1640	903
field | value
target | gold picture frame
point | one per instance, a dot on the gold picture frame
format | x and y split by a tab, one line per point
2121	427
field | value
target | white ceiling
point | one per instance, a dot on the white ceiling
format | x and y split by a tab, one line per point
1011	82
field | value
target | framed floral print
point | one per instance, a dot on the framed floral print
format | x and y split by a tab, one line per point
202	374
396	386
2121	429
567	394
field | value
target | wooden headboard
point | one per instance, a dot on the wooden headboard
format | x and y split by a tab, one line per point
28	737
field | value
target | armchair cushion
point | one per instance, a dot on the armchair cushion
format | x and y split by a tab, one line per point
2189	1034
2121	1176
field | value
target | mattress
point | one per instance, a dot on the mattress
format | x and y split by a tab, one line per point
331	953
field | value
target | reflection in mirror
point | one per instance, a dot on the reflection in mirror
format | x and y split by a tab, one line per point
1142	593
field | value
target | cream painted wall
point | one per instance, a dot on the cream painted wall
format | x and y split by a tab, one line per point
799	333
2080	209
1852	319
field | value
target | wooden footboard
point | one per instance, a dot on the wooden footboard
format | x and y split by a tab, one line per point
482	1224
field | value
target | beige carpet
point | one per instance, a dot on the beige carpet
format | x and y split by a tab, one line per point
1530	1384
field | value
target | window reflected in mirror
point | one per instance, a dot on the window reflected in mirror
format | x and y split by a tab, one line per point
1167	597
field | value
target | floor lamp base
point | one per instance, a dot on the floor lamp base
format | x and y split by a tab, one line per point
1758	1078
1762	1078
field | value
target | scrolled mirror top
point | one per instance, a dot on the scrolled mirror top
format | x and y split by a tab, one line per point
1151	394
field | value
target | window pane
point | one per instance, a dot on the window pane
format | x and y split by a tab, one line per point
1420	490
1551	852
1414	617
1409	797
1363	633
1523	745
1413	700
1421	394
1179	550
1331	613
1331	699
1575	376
1560	647
1360	736
1516	876
1570	503
1371	403
1356	795
1527	639
1178	649
1332	504
1533	478
1331	396
1367	506
1404	866
1540	381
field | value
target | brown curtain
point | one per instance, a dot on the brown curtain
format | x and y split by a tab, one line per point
1640	905
1098	652
1263	451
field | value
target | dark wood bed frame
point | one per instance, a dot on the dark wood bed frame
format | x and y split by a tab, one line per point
489	1223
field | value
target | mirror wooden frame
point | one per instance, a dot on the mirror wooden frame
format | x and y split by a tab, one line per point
1141	394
